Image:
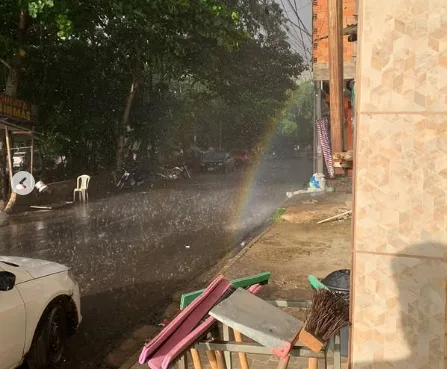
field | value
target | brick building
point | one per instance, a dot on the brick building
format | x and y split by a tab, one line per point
320	51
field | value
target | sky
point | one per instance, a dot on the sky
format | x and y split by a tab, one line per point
304	10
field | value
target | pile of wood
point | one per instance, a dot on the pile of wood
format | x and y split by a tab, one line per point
344	160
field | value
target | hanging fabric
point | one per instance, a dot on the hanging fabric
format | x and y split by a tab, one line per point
323	131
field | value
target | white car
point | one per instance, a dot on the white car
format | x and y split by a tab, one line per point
39	310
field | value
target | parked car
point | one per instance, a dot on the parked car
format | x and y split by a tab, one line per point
241	157
39	311
214	161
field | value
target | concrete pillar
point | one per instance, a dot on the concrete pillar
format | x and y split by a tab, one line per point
400	199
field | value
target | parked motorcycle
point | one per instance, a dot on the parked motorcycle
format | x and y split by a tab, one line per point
174	173
133	179
183	171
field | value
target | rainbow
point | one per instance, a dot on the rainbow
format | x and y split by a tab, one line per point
246	189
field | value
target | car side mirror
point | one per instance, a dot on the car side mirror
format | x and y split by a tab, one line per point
7	281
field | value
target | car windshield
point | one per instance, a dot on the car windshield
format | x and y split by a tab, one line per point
215	156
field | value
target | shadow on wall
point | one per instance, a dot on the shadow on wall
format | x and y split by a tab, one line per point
400	316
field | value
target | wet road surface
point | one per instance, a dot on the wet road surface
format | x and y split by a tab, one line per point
129	251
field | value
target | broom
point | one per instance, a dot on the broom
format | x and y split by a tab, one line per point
328	314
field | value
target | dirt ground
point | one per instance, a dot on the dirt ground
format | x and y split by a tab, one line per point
292	251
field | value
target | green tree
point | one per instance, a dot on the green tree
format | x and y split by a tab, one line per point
177	72
15	16
296	122
155	36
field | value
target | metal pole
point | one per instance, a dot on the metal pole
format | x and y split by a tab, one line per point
8	148
318	154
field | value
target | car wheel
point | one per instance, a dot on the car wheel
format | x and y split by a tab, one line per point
48	347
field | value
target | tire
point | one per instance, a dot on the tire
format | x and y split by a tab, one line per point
49	343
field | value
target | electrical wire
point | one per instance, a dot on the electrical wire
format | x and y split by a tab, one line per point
298	37
303	28
300	24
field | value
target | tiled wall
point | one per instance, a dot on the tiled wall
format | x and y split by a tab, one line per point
400	202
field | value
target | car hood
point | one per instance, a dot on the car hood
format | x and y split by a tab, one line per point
34	267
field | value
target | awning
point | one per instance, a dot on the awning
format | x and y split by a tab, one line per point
14	127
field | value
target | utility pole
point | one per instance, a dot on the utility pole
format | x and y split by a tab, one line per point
318	154
335	42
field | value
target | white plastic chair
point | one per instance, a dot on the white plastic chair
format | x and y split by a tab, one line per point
81	188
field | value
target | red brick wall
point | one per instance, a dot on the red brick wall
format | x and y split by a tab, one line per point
320	52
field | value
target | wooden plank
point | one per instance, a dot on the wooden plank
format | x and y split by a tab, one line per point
335	44
245	282
52	206
254	348
258	320
8	149
27	133
227	354
6	123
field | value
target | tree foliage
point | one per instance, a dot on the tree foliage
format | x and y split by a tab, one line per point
296	123
167	74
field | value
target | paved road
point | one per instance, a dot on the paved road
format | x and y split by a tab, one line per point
129	250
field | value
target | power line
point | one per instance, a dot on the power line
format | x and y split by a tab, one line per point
299	38
302	7
298	46
299	41
301	33
301	26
